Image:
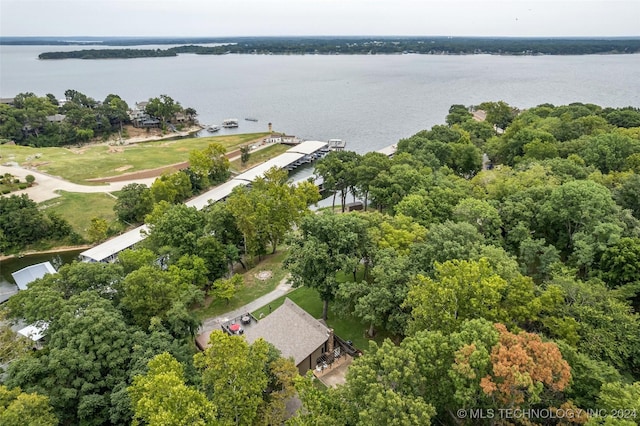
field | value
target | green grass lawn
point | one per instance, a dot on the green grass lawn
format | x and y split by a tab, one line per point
252	288
94	161
78	209
347	327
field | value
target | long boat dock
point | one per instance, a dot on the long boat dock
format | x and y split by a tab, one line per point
308	150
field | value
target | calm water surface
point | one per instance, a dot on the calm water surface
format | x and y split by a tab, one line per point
369	101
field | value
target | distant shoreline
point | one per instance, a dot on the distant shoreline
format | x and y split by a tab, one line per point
120	48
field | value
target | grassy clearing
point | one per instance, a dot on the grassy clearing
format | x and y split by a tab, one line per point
252	289
95	161
347	327
259	156
73	207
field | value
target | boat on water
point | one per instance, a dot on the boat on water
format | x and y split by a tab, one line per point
251	119
336	144
230	122
213	128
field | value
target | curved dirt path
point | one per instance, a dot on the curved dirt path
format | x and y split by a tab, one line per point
46	186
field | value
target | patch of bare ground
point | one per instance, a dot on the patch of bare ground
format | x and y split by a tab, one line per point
143	174
264	275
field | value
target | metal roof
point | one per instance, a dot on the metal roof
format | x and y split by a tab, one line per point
218	193
281	161
307	147
290	329
31	273
389	151
34	332
115	245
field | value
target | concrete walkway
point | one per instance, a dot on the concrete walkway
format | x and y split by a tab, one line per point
211	324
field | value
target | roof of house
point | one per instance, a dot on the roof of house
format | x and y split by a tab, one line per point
34	332
56	118
290	329
31	273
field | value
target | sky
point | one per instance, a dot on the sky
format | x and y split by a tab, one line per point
220	18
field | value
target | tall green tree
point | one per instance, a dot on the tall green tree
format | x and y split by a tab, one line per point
338	170
377	301
163	108
464	290
265	212
161	397
233	376
324	245
20	408
87	354
134	203
210	165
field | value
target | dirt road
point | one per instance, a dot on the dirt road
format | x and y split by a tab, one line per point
46	186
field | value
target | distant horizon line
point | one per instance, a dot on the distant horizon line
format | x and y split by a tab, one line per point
88	37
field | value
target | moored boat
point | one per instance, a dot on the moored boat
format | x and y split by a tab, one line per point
230	122
336	144
213	128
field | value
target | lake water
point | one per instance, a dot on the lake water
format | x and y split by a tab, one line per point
369	101
7	283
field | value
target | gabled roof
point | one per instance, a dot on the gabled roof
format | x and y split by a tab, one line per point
290	329
31	273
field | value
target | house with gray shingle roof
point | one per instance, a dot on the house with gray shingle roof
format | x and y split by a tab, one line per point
295	333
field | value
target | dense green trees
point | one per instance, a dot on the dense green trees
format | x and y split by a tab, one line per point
19	408
355	46
326	244
512	287
161	397
547	249
23	224
43	121
134	203
210	165
265	212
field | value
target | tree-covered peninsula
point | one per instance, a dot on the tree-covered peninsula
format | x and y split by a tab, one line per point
372	46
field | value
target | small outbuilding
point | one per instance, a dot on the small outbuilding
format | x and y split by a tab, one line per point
34	332
25	276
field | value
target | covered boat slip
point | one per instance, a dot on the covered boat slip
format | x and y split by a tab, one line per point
214	195
107	251
31	273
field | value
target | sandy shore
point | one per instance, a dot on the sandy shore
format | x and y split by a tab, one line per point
138	135
54	250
